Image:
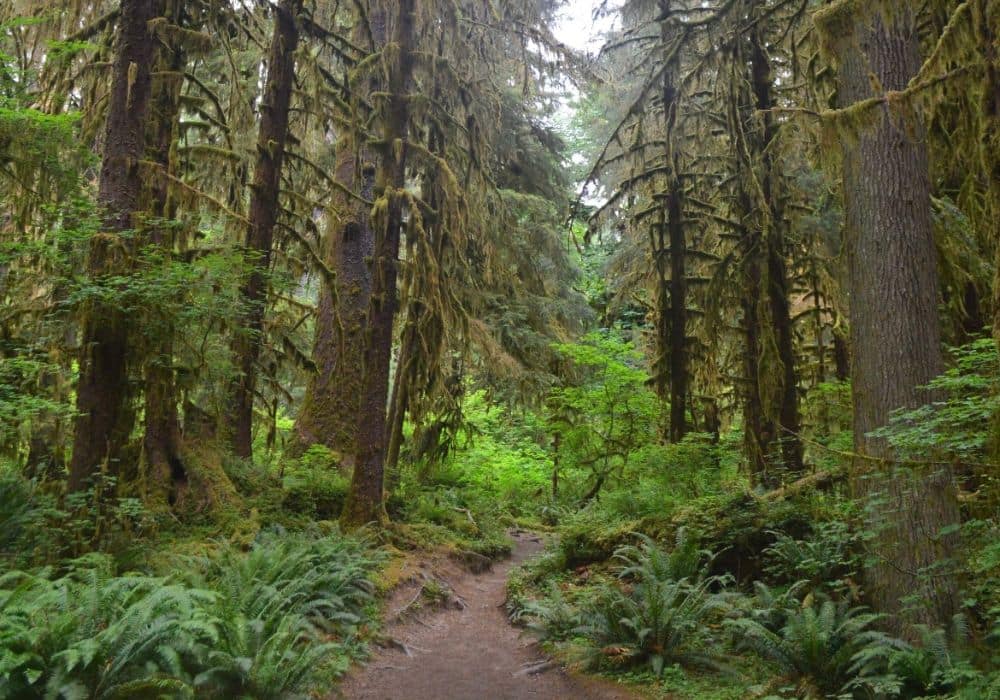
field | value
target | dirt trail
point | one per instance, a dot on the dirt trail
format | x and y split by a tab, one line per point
471	653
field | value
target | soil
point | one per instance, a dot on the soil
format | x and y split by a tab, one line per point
466	649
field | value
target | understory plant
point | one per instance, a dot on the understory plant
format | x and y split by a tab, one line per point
661	612
823	647
268	624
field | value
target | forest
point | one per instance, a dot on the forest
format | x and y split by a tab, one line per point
431	349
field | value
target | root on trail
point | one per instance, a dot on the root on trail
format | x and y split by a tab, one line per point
433	592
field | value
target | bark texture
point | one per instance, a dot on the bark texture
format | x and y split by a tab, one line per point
671	261
365	499
161	451
775	251
329	413
895	330
264	206
105	418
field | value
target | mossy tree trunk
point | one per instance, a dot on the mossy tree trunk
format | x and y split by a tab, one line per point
329	413
986	15
670	251
103	396
771	402
895	329
776	252
161	452
365	498
272	137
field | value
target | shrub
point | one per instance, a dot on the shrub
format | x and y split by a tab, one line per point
552	618
92	634
661	614
265	625
824	647
827	556
315	485
941	663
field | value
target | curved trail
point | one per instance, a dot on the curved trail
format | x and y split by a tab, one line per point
472	653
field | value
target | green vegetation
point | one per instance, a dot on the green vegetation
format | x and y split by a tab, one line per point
297	296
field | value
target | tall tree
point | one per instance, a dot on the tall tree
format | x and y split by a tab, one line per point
272	137
670	250
895	330
161	451
105	418
329	411
365	498
772	403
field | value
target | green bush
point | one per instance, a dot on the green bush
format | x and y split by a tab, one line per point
661	613
315	485
824	647
92	634
268	624
828	556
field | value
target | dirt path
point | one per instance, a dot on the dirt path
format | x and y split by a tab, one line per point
471	653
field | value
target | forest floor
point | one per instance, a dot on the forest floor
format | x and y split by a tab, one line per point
465	648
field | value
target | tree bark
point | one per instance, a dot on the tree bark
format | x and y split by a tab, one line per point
104	420
365	499
672	296
775	249
986	14
895	329
329	413
164	467
758	429
264	205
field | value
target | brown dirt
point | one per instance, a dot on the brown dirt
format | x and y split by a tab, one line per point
470	653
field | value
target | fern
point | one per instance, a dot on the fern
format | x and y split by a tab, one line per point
260	625
825	646
662	614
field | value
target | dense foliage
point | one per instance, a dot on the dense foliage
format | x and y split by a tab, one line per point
293	291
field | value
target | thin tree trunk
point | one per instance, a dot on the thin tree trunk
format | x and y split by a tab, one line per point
398	403
678	315
895	329
264	205
672	294
758	429
365	499
775	250
104	419
818	327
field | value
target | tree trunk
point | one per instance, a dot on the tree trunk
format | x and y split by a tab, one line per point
104	419
895	329
264	205
329	413
841	356
758	429
775	246
365	499
986	14
164	468
672	295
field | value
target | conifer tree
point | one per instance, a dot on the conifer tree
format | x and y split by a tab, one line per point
895	330
264	208
103	395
